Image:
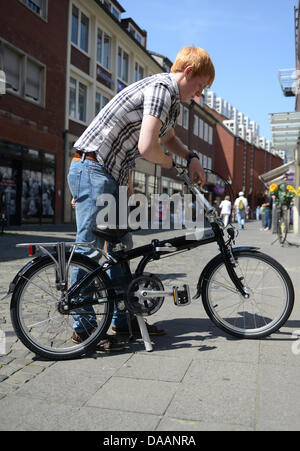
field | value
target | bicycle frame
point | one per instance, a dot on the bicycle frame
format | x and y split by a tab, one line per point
153	251
157	249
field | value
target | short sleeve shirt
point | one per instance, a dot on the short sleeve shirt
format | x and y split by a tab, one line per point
114	133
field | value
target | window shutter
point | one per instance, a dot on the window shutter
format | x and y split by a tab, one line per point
33	81
12	68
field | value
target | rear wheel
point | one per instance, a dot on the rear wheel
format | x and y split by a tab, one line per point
271	295
38	322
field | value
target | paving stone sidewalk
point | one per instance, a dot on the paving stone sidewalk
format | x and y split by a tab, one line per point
197	378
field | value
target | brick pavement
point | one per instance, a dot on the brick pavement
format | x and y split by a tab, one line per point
197	378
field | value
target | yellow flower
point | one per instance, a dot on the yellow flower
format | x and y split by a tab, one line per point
292	189
273	187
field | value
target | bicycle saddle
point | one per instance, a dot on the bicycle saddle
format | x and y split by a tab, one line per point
111	235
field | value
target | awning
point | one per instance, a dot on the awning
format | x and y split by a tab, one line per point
285	129
278	175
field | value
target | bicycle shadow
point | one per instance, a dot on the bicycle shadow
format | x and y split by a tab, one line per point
201	334
186	333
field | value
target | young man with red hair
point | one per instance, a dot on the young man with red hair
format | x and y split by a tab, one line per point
137	122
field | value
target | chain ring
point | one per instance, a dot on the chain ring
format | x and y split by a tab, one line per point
145	307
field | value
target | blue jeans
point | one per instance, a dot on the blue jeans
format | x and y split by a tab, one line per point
268	218
87	181
241	215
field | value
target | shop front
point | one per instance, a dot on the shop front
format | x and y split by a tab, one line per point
27	184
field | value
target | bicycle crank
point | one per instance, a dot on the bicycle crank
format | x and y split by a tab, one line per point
145	295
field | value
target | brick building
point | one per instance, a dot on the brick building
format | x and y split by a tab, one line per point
241	161
33	36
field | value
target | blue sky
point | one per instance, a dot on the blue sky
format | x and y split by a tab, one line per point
249	41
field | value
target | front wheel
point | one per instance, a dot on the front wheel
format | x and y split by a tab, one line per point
270	302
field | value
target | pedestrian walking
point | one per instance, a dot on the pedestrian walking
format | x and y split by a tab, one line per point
226	207
137	122
241	208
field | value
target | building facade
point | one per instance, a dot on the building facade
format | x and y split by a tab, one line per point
33	36
105	53
241	161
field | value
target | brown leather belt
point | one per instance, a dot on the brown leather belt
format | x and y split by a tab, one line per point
88	155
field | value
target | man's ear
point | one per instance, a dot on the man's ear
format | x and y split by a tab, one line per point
188	72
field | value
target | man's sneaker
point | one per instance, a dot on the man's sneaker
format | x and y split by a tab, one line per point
152	330
107	344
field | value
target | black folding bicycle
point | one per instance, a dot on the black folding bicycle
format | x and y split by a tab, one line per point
244	292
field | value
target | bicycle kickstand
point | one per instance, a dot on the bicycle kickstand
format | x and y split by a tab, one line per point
144	333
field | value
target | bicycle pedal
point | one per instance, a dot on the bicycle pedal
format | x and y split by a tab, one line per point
182	296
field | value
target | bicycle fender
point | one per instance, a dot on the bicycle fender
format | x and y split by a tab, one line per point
206	270
18	276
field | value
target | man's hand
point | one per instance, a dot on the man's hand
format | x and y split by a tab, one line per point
196	172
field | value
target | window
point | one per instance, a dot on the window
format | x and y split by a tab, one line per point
138	37
33	83
123	65
185	118
209	163
201	129
13	63
196	125
84	33
138	72
115	12
24	75
104	49
80	29
134	33
75	23
100	103
78	100
210	135
206	132
179	120
139	182
39	7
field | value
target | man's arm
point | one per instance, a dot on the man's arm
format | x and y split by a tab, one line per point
149	146
174	145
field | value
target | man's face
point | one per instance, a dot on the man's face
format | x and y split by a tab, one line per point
192	86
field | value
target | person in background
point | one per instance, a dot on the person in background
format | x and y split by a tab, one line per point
267	205
241	208
225	207
257	213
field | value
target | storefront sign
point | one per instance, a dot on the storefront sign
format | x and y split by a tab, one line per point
121	86
105	78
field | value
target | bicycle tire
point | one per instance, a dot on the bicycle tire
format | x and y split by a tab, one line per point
26	332
239	318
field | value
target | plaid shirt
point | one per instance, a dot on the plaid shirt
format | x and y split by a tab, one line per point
114	133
